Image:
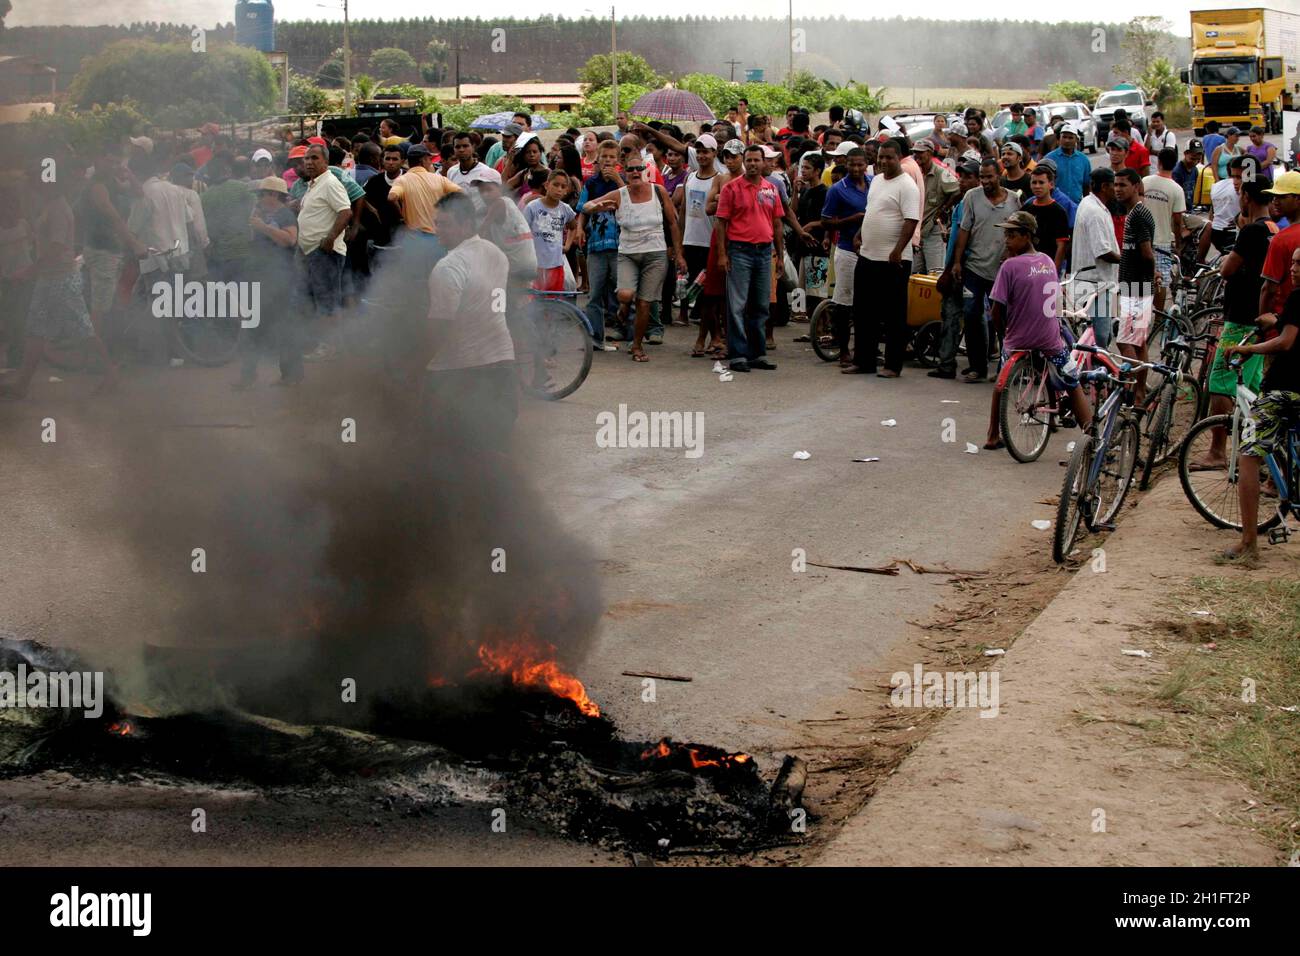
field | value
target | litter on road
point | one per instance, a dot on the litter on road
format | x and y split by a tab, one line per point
801	455
889	423
1129	652
866	459
972	448
1041	524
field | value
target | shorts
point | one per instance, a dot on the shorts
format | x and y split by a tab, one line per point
1165	260
644	272
58	309
1223	380
1273	415
1060	368
845	263
550	280
102	270
1134	319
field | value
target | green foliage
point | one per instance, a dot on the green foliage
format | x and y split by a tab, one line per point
632	69
598	109
330	74
390	63
305	96
433	73
858	96
363	86
172	86
1162	84
1071	91
409	91
82	131
461	115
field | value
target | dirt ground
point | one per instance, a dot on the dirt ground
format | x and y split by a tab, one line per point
1069	773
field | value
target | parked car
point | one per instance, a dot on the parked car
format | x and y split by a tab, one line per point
1132	100
1077	113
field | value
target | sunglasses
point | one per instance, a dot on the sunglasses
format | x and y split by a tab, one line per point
633	169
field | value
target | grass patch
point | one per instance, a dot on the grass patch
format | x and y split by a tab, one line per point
1256	633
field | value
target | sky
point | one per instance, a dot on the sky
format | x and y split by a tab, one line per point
204	12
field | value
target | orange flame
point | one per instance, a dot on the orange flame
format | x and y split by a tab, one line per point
528	665
666	748
122	728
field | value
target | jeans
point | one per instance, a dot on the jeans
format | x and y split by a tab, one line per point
950	334
749	289
880	306
602	275
977	341
279	331
322	278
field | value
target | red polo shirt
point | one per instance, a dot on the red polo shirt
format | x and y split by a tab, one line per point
751	210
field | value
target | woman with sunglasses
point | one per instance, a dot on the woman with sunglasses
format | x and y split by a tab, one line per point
641	209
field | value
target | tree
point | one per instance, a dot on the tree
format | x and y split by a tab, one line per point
173	86
437	54
305	96
330	73
595	75
391	63
1162	84
1146	39
1071	91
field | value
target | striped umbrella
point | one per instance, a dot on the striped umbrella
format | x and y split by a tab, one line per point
672	104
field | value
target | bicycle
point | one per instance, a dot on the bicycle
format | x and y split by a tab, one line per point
1029	402
1213	492
1168	416
821	332
1101	467
553	344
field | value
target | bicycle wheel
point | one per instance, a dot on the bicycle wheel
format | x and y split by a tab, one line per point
1172	412
1070	510
925	344
553	350
1213	493
1116	474
211	342
1024	412
821	332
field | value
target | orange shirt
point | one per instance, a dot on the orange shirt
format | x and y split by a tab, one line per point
420	192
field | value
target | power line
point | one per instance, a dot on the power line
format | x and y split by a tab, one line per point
733	64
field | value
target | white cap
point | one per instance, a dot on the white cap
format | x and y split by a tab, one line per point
1069	126
706	141
844	147
260	154
482	174
769	152
142	142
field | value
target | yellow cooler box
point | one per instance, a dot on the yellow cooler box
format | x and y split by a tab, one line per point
924	303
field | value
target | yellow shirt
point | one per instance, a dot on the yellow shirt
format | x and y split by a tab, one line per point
420	192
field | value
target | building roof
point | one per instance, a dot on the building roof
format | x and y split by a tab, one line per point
22	112
525	91
27	61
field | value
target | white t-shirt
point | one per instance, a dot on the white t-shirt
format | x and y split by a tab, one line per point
889	203
1164	197
464	300
458	176
1154	144
1094	236
1227	204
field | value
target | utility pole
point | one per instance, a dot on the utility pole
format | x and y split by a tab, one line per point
790	40
733	64
613	65
347	65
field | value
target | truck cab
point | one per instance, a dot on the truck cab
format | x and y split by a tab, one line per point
1239	70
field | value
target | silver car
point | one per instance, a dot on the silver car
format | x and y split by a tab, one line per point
1077	113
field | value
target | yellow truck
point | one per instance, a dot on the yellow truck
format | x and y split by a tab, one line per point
1245	67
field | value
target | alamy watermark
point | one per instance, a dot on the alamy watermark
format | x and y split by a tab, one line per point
651	430
922	688
179	299
74	690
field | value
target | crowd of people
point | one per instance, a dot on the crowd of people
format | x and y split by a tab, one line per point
737	225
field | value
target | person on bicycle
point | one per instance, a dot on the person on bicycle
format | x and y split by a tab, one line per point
1241	271
1024	298
1275	412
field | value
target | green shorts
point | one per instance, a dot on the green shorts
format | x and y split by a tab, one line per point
1223	380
